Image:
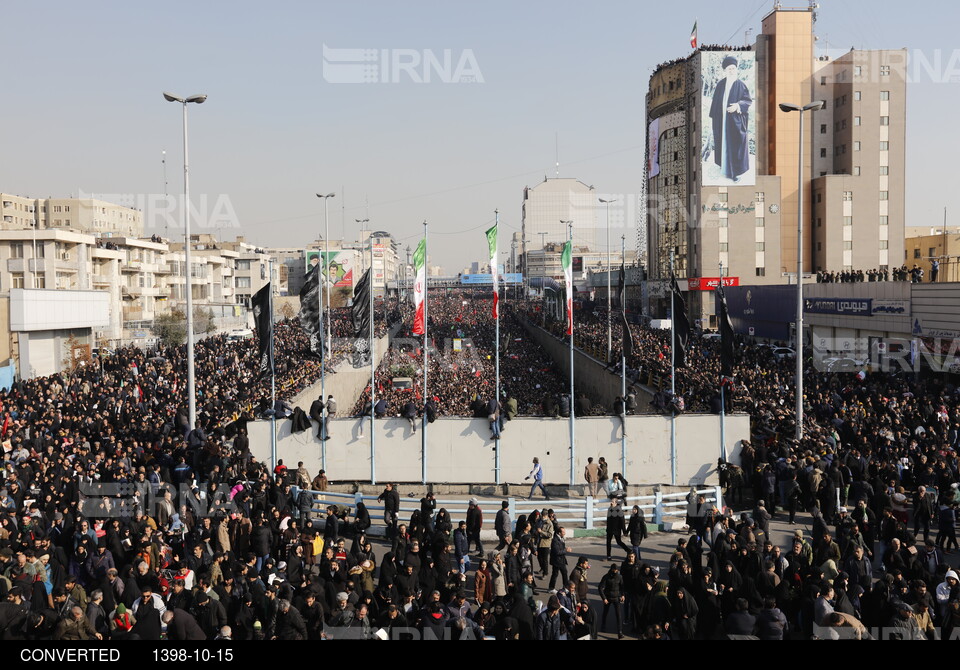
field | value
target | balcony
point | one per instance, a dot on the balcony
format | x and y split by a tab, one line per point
131	266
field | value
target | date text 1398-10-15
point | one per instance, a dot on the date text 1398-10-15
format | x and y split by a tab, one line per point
196	655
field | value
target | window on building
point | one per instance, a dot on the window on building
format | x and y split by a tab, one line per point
243	265
857	71
823	153
884	70
848	196
16	250
819	198
823	129
884	96
724	222
848	220
884	120
759	197
40	250
40	281
884	195
819	246
819	222
848	245
856	120
243	282
856	146
884	220
856	96
916	253
884	170
884	146
884	244
823	81
932	252
724	247
16	279
761	272
856	170
760	246
723	197
761	222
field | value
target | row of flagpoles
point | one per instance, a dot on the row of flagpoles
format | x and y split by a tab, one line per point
311	311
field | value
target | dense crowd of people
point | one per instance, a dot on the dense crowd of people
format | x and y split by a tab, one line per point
877	470
462	372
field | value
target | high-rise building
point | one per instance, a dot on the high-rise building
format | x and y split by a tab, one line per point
722	162
552	201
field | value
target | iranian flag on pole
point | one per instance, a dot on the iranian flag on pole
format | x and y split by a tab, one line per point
492	243
420	287
693	36
566	260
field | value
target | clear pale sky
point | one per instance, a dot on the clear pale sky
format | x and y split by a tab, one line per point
83	111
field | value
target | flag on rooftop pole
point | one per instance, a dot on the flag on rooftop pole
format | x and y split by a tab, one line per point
693	36
420	286
566	259
492	244
726	334
681	326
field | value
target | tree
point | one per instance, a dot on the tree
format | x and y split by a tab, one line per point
287	311
204	321
77	355
171	327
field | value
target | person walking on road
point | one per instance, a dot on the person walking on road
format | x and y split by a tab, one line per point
537	475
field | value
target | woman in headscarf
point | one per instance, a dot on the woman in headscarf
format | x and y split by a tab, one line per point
482	588
730	583
660	613
707	595
498	579
388	570
684	610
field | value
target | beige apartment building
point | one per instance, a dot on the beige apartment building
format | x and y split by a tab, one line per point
852	155
87	215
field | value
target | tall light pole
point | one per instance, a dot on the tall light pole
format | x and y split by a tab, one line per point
812	107
360	223
609	324
191	381
326	255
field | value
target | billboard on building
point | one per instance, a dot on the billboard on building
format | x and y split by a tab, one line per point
653	149
339	270
728	124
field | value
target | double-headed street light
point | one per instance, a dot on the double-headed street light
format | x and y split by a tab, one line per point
812	107
191	382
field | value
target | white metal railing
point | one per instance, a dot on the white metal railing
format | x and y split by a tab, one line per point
590	512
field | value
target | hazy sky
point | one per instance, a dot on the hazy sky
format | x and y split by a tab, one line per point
82	107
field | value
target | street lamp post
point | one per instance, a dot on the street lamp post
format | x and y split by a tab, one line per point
326	255
812	107
188	289
609	323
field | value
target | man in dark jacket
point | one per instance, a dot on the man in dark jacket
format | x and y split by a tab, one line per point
182	626
616	525
290	625
331	528
409	412
558	558
611	591
391	506
210	614
474	525
550	624
316	413
260	540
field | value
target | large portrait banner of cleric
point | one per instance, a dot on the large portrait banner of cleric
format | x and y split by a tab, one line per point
729	123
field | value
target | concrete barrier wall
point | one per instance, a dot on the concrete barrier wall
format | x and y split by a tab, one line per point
346	384
460	451
592	377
